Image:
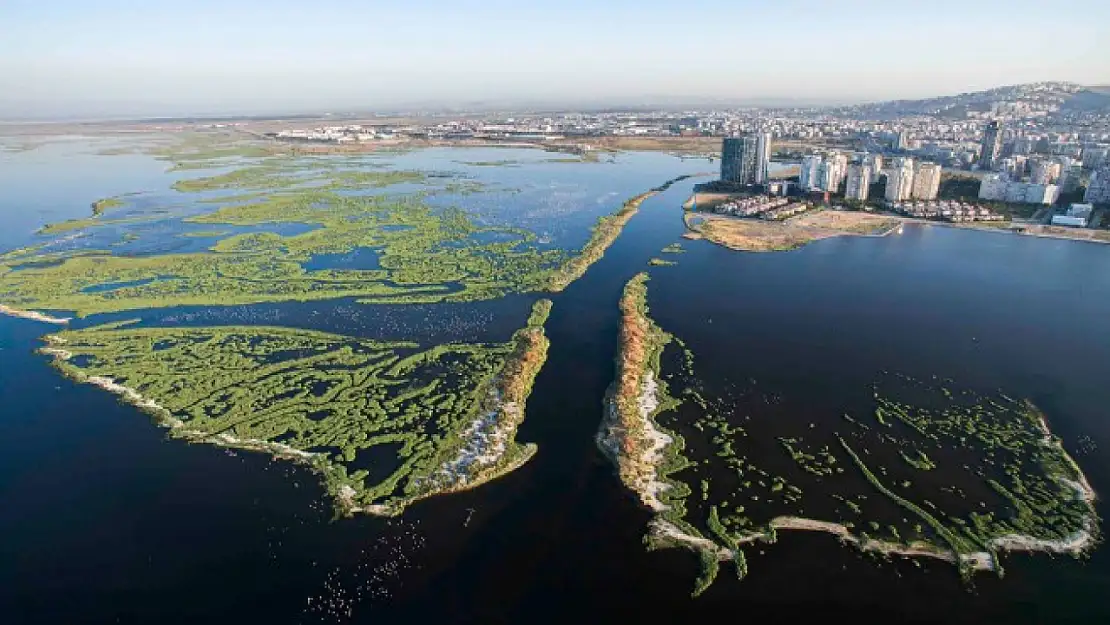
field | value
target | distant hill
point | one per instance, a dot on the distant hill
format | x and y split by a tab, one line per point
1046	95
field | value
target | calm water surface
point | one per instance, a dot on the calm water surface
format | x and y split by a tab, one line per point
105	521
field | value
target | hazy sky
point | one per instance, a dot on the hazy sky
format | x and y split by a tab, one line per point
173	57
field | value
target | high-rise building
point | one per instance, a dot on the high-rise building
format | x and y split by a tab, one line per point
859	183
926	181
899	182
833	171
991	146
875	161
998	187
746	160
809	177
1098	189
763	158
732	150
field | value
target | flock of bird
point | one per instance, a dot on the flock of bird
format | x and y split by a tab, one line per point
373	580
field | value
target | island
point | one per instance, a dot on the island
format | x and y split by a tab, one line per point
383	423
954	474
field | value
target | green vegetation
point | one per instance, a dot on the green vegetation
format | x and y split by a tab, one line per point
426	255
674	248
108	203
1022	493
383	423
99	207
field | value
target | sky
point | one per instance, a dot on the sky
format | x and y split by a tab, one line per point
100	58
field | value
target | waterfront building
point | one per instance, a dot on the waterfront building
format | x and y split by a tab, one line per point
926	181
991	146
899	182
746	160
1098	189
732	149
859	183
763	158
1077	216
999	188
809	178
833	172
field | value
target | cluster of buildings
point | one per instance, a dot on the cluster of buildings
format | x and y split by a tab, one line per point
334	134
786	211
1000	188
759	205
947	210
1077	216
905	180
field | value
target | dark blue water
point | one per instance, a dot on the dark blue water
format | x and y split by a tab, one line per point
360	258
104	521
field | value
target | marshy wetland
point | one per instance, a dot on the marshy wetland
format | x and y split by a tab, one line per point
926	472
862	426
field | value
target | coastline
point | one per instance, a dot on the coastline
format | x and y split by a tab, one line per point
763	235
488	451
633	441
32	315
489	448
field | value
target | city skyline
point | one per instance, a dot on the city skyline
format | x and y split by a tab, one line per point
70	59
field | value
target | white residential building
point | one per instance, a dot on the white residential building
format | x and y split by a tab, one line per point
859	183
763	158
926	181
999	188
834	172
899	182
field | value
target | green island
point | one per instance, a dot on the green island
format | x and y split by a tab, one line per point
99	207
953	475
383	423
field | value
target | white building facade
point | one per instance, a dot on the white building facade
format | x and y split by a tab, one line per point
899	182
859	183
926	181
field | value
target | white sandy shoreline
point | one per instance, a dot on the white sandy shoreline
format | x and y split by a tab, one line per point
32	315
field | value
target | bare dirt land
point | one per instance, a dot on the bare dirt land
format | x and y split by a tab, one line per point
755	235
845	222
